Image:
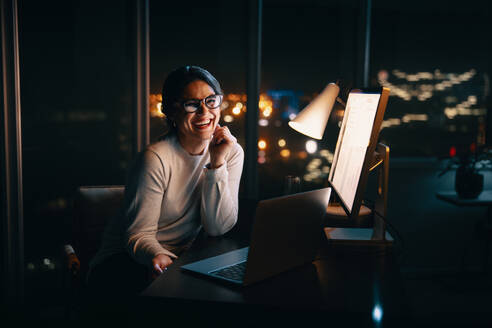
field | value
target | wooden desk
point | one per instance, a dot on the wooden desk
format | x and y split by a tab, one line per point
344	285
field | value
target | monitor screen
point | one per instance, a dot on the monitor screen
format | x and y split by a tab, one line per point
356	143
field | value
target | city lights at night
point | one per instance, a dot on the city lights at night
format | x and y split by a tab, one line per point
285	153
262	144
426	87
236	110
311	146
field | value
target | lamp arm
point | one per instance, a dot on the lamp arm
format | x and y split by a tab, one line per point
340	101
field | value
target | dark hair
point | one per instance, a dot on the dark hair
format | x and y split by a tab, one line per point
177	80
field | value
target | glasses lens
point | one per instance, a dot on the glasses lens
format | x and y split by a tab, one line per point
213	101
191	106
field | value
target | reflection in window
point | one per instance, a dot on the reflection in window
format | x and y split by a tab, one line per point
452	103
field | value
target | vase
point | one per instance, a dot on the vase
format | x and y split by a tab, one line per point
468	182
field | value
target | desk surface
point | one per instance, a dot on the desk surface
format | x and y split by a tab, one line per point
484	199
347	282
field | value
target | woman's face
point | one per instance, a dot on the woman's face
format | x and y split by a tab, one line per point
200	125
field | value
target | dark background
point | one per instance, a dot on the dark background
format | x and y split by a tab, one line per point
76	89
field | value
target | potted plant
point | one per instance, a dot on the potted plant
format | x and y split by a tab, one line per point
468	163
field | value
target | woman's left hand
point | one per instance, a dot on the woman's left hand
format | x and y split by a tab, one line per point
222	142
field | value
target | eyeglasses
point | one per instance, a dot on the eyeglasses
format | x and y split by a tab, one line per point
212	102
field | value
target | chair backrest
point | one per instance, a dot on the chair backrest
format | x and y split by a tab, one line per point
94	206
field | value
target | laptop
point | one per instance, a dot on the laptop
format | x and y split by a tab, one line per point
287	232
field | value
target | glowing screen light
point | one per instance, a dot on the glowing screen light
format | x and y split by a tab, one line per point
352	145
377	314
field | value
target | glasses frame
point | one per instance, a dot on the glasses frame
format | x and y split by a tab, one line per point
200	101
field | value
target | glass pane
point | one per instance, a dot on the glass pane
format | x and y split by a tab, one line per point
212	35
306	45
436	63
76	89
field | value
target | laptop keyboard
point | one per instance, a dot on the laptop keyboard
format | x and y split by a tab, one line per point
233	272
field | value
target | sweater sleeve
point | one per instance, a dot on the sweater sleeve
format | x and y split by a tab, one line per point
219	201
143	201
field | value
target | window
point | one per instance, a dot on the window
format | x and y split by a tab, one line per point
306	45
434	58
76	89
209	34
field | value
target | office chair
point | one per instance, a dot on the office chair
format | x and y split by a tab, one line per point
92	209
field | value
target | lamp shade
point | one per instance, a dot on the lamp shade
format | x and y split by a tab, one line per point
312	120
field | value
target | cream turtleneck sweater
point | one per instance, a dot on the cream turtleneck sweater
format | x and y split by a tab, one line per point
169	196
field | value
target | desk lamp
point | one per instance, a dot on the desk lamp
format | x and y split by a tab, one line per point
359	223
311	121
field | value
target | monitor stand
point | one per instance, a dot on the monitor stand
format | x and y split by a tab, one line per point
368	228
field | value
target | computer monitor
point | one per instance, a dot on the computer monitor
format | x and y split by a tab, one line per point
356	144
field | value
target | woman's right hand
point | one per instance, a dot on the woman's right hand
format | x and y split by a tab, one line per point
159	264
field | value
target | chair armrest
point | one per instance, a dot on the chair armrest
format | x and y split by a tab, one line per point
71	259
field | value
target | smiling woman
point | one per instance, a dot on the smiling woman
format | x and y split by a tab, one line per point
187	180
197	122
